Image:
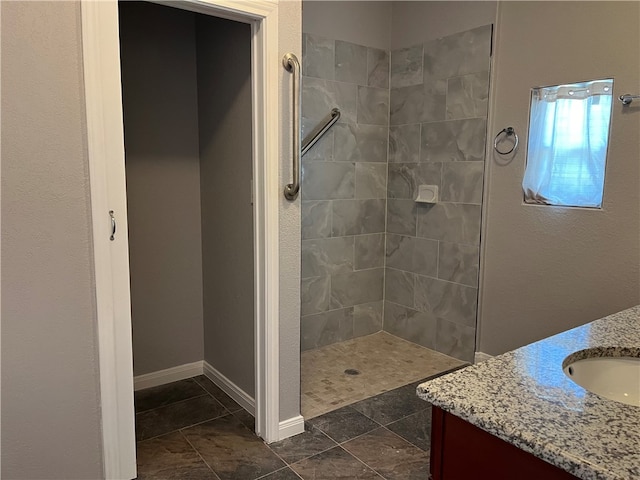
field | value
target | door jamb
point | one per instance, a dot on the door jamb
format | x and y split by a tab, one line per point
105	147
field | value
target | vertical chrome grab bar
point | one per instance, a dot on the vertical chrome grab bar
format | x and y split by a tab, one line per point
291	64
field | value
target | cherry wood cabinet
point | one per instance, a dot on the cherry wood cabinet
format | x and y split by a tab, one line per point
461	451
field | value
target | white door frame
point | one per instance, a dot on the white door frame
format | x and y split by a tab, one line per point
105	143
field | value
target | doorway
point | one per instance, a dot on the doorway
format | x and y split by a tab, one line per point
187	123
106	163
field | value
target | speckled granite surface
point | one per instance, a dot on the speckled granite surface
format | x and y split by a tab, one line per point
524	398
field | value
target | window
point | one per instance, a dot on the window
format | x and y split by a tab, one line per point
567	148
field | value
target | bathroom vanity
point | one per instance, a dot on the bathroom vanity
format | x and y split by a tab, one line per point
518	415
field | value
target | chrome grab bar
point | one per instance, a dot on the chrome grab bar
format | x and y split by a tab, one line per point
291	64
627	98
314	136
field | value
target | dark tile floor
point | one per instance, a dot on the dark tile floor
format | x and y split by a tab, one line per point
192	430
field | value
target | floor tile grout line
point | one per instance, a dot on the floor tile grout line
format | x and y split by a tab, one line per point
338	445
186	427
193	379
205	394
364	463
199	454
310	456
279	470
212	396
393	433
173	403
407	440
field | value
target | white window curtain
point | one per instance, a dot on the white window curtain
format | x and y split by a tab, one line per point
567	149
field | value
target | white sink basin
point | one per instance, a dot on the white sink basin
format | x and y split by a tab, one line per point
615	378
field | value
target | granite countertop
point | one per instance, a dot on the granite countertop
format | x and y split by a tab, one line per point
524	398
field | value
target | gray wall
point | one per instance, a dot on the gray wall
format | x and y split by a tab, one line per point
416	22
362	22
158	56
50	387
50	417
289	40
224	98
548	269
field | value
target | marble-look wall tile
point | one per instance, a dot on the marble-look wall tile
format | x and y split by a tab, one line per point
326	256
377	68
468	96
362	286
328	180
315	293
357	217
406	105
462	182
401	216
404	143
318	57
454	302
360	143
417	327
425	257
399	252
450	222
367	318
406	67
434	106
315	219
371	180
368	251
326	328
458	263
360	180
373	106
399	287
455	140
319	97
404	178
351	63
418	103
323	149
458	54
411	254
458	341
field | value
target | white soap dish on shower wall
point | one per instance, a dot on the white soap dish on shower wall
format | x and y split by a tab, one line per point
427	194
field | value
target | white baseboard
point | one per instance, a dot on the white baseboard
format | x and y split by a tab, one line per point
245	400
481	357
168	375
290	427
287	428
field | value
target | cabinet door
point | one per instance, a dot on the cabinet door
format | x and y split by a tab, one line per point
461	451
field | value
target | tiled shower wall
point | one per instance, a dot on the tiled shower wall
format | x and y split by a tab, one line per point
343	191
360	181
438	114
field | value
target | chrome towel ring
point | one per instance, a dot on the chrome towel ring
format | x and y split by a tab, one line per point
509	131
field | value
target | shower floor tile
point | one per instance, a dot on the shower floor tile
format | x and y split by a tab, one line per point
384	362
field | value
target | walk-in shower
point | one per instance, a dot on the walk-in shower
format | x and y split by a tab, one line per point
375	261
